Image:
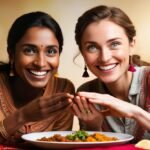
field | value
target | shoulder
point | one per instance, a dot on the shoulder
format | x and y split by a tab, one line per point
141	71
146	68
143	68
89	86
144	71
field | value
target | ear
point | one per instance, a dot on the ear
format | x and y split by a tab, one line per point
132	45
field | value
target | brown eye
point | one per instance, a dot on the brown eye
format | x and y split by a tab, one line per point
29	50
52	51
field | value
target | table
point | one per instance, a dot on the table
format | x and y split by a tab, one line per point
117	147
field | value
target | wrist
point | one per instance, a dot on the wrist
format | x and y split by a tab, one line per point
93	126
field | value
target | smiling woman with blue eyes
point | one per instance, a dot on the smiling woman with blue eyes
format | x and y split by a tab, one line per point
32	99
118	100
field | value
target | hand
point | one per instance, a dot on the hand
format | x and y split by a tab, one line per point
41	108
87	113
116	107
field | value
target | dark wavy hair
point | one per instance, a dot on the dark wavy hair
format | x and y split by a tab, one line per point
102	12
29	20
23	23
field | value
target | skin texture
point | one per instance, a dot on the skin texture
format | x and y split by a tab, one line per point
36	60
106	48
37	51
105	45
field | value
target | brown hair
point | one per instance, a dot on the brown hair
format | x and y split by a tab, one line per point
102	12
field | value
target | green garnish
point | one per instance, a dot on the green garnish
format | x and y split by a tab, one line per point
78	135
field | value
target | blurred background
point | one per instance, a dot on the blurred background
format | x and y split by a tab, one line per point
66	12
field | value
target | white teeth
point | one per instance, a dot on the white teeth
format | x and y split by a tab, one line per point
107	67
38	73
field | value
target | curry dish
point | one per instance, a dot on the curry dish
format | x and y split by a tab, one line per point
79	136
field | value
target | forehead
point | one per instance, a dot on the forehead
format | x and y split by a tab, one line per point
40	35
103	29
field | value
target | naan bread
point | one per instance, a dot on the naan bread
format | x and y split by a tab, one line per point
144	144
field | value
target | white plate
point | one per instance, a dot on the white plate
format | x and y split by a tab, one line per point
32	138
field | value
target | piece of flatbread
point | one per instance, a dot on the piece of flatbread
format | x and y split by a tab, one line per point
144	144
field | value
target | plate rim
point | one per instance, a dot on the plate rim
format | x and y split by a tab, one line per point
131	137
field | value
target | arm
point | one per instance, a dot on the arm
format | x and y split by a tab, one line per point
143	117
119	108
64	119
37	110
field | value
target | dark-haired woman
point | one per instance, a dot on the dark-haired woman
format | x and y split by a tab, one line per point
32	99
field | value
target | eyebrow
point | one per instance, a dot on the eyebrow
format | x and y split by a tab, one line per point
109	41
33	45
113	39
26	44
89	42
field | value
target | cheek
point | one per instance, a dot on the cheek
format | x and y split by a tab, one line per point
20	65
90	59
54	62
123	55
21	59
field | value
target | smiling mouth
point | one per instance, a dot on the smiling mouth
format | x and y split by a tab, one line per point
38	73
107	68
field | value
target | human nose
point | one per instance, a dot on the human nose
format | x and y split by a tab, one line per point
40	60
105	55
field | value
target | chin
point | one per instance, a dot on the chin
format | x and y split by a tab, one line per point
107	80
38	85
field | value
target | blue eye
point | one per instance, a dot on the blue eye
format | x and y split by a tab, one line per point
115	45
92	48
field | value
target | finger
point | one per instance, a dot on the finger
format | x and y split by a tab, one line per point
106	112
69	95
85	104
92	108
103	102
94	96
96	108
78	101
70	100
47	99
54	100
76	110
59	95
54	112
88	94
59	106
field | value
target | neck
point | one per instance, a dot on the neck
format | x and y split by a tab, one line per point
120	88
23	93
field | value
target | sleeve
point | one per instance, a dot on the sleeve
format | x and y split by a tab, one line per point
65	120
147	90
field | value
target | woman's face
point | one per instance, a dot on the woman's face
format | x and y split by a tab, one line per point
37	56
106	50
